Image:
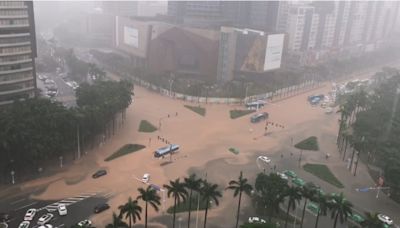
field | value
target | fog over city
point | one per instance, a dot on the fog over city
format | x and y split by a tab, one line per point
213	114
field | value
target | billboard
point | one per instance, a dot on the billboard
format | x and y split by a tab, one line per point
250	52
131	36
273	52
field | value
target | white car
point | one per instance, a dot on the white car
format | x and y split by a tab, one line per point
85	223
45	219
49	81
62	209
146	178
256	220
46	226
30	214
282	175
385	219
24	224
265	159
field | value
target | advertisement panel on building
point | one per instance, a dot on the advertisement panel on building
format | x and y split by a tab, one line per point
273	52
131	36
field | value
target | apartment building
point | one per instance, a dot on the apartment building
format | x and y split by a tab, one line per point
17	51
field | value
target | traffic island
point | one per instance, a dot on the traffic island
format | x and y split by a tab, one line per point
324	173
126	149
197	109
310	143
234	114
147	127
184	206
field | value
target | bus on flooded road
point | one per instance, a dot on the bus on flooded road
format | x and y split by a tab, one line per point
170	149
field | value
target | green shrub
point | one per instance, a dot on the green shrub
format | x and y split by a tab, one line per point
126	149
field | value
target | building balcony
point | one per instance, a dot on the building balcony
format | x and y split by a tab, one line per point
21	16
9	82
15	53
14	35
16	91
14	7
15	62
15	44
16	26
16	71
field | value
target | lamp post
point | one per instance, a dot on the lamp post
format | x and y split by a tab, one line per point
171	81
180	222
12	177
78	143
61	161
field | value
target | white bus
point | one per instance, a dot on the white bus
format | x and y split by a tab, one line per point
166	150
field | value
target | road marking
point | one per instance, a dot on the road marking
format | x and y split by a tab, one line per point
28	205
68	201
18	201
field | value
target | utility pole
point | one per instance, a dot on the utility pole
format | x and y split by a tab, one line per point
79	146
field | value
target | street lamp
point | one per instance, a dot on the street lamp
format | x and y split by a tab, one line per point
171	81
61	161
12	177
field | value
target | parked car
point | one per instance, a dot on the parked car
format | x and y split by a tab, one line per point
282	176
49	81
299	182
101	207
99	173
385	219
45	219
290	173
146	178
24	224
62	209
256	220
46	226
85	223
259	117
30	214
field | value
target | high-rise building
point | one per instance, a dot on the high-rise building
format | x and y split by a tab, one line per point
214	14
134	8
17	51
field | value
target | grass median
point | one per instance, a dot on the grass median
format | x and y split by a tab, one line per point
324	173
126	149
234	114
146	126
197	109
310	143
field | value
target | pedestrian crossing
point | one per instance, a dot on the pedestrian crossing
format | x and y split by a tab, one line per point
69	201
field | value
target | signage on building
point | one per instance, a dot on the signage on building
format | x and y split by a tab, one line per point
273	52
131	36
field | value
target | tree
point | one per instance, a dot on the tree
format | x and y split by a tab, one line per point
209	193
131	210
193	184
116	222
372	221
149	196
177	190
340	208
323	206
294	196
269	192
308	192
239	187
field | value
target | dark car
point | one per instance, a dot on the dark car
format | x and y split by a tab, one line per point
101	207
99	173
259	117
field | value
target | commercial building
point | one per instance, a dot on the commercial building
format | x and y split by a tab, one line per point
134	8
17	51
247	52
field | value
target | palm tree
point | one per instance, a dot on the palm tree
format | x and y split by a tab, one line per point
323	206
178	191
371	221
308	192
149	195
340	208
131	210
209	192
117	222
193	184
294	196
238	187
